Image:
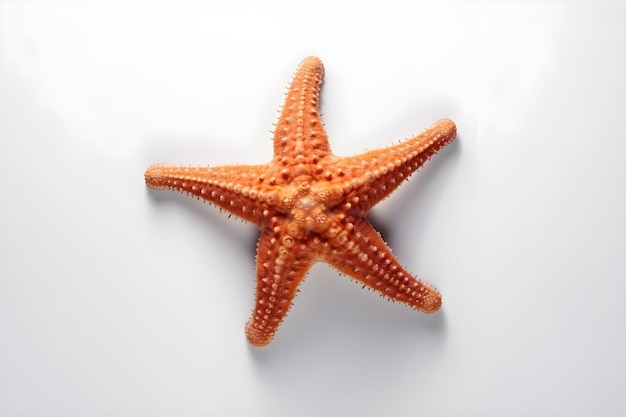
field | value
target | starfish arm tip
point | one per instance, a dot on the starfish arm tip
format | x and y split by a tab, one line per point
257	338
312	61
447	127
154	176
431	302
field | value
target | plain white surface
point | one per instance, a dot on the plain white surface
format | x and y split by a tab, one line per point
119	301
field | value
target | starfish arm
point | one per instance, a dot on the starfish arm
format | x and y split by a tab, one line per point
282	264
376	174
299	137
238	189
363	255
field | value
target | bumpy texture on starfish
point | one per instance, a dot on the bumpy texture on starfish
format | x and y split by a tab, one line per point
311	205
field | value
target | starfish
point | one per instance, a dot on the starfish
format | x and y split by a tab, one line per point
311	205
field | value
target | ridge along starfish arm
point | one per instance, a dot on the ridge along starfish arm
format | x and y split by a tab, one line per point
311	205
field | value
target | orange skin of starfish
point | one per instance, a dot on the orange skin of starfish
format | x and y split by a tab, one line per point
311	205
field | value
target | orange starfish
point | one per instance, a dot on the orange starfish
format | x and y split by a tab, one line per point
311	205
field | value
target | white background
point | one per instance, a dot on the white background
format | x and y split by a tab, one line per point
119	301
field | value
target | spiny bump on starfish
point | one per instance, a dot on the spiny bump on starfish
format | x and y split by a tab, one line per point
311	205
